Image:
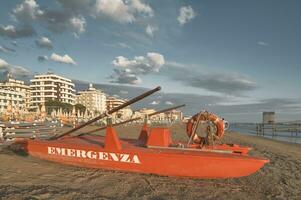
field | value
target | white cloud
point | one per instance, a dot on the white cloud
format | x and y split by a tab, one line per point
27	11
115	9
150	30
138	6
59	20
122	11
169	103
62	59
11	31
261	43
186	14
121	61
3	63
126	70
78	24
123	92
123	45
42	58
15	43
176	64
14	70
140	64
118	45
5	49
44	42
156	60
125	76
71	15
155	103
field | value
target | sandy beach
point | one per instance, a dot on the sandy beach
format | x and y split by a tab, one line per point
25	177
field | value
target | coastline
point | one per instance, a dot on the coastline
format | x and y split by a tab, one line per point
24	177
290	137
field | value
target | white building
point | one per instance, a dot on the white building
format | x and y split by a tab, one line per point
268	117
11	97
125	113
174	115
169	116
113	102
18	86
50	86
94	100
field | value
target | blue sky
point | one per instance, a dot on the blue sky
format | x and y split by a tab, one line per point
245	53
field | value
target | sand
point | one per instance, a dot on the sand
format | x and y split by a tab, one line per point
25	177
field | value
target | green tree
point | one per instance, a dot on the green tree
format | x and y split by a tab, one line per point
80	107
66	107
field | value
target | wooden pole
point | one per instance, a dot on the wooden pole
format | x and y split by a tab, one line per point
138	98
194	128
134	119
257	129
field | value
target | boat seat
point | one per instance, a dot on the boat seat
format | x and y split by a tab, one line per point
159	137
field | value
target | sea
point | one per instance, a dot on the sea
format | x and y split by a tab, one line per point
250	129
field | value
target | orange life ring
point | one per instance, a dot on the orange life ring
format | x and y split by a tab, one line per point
205	116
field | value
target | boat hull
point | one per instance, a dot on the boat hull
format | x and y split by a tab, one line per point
90	152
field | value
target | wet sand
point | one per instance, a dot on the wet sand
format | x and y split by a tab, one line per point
25	177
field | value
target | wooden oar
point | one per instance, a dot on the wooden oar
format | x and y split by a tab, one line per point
138	98
133	119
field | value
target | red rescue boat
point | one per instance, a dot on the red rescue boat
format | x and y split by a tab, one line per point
153	153
158	157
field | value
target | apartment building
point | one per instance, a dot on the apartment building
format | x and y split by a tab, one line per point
174	115
113	102
169	116
11	97
50	86
19	86
93	99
